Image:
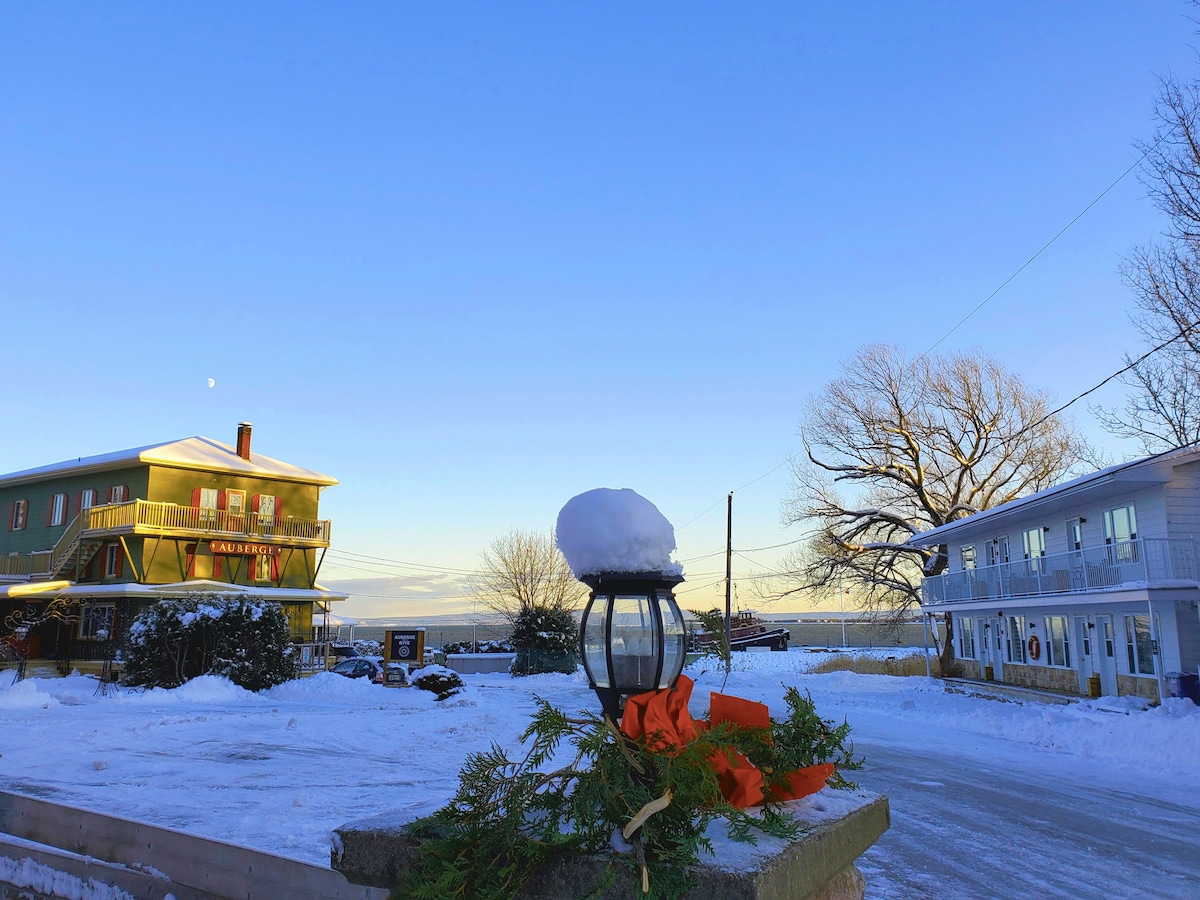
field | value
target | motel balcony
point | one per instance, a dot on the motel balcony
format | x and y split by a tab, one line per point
164	520
1143	561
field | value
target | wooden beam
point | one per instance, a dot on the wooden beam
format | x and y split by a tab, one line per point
129	559
312	583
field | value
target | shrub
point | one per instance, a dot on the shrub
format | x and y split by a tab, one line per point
913	664
367	648
438	679
502	646
546	640
244	639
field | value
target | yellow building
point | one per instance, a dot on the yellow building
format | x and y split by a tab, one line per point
109	535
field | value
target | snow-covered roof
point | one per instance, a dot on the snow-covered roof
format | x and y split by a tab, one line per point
132	589
1155	469
200	453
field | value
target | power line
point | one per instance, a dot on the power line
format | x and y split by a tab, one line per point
397	562
735	490
1133	365
1048	243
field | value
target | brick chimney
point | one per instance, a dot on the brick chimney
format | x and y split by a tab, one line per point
243	441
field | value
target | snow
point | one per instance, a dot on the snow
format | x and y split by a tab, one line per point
608	530
35	876
189	453
1108	790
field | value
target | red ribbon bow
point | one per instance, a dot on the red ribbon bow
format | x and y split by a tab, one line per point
664	717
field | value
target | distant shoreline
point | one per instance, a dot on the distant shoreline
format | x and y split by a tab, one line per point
803	634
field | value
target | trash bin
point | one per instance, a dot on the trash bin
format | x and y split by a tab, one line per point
1173	683
1189	686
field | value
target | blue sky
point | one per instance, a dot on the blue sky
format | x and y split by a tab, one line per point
475	259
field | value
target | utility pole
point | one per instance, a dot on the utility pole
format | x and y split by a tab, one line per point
728	580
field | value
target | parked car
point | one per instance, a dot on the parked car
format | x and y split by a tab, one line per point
359	667
397	674
342	651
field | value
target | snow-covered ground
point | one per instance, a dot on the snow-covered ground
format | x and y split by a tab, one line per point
989	798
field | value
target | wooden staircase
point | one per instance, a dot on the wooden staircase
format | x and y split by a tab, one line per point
72	552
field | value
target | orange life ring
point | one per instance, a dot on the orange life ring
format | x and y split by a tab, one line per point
1035	647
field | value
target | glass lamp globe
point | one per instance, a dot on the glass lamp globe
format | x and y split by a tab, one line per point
632	636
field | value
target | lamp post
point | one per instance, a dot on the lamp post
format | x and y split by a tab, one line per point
632	637
22	633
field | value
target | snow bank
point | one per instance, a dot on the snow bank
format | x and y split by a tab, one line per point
324	685
607	530
23	695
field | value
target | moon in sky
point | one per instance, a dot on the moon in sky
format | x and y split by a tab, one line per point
212	382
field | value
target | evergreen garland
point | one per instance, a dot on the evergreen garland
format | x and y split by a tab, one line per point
509	817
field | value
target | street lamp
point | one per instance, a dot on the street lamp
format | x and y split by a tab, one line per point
22	633
632	637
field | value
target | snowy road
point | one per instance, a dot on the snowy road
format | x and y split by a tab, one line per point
998	820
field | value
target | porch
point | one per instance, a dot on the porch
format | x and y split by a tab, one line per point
147	517
1144	561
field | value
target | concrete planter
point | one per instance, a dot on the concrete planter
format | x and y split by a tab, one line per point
819	865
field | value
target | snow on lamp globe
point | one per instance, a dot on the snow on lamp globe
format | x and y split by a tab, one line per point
632	637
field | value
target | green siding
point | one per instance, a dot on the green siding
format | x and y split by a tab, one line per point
38	535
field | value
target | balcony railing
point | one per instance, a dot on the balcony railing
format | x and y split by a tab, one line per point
150	517
1145	560
24	565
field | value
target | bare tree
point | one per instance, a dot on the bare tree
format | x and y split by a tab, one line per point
524	570
895	447
1162	410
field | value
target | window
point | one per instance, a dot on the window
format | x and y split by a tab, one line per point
1058	644
1120	534
1110	640
966	639
264	505
1015	638
997	550
1074	534
206	500
1034	541
118	493
96	622
265	567
1138	645
20	515
112	560
58	509
968	557
87	498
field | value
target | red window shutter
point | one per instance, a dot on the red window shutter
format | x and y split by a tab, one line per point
120	560
12	516
190	550
218	568
50	511
221	499
66	508
278	507
196	497
275	569
254	503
